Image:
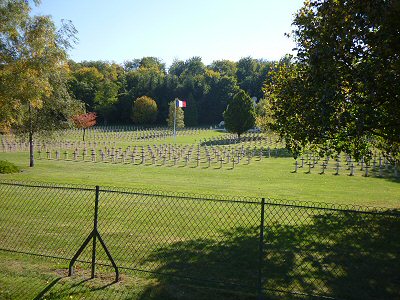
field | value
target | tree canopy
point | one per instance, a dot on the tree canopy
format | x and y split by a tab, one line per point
240	114
33	71
206	89
84	121
144	110
342	91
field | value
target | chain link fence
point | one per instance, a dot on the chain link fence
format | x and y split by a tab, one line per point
250	247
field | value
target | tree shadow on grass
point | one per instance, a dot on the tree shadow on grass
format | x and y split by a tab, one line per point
344	255
78	288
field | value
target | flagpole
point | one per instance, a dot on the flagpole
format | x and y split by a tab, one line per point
175	122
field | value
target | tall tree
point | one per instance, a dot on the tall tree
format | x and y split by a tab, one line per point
220	90
264	116
179	115
191	111
224	67
342	91
85	83
240	115
33	91
144	110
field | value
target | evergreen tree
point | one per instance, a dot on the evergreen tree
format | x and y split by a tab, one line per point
240	114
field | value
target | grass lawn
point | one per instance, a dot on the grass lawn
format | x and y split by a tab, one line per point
209	240
271	177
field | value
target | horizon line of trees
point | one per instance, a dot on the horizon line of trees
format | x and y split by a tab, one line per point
339	94
110	89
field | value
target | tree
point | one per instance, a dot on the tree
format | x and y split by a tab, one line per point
342	92
191	111
264	115
146	62
98	84
144	110
85	121
33	73
224	67
85	83
239	116
180	117
220	90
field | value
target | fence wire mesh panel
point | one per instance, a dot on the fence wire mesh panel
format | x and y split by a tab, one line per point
342	254
42	219
279	249
211	240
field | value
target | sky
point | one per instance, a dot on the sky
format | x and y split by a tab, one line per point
122	30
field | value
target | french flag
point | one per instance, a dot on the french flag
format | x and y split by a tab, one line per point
180	103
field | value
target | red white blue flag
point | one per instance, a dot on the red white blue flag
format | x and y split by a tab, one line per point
180	103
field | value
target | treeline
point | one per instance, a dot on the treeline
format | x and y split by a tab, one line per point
110	89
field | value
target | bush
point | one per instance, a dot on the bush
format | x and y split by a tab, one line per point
144	110
7	167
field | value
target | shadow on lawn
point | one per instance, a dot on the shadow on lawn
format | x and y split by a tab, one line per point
73	288
338	254
343	255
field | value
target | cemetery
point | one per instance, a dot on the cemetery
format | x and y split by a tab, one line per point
144	218
208	149
206	156
221	176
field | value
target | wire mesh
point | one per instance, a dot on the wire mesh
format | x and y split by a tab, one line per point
44	220
182	236
307	249
342	254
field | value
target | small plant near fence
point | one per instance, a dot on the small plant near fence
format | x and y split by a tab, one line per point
7	167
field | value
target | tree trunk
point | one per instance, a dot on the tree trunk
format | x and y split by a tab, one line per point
84	131
31	157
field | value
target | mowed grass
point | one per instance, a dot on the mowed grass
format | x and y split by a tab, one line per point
270	177
206	240
216	241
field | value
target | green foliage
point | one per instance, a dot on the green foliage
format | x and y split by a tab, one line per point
219	93
240	114
144	110
264	115
33	74
97	84
251	74
84	84
32	52
144	63
180	116
342	91
6	167
108	89
224	67
191	112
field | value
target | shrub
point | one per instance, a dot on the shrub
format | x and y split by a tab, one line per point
144	110
7	167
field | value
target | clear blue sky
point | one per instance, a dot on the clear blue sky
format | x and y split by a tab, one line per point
122	30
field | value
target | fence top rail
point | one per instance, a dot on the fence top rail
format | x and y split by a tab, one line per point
52	185
300	204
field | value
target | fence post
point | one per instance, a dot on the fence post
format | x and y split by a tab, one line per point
261	251
95	228
94	235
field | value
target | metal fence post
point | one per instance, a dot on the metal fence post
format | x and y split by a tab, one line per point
95	228
261	251
94	235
